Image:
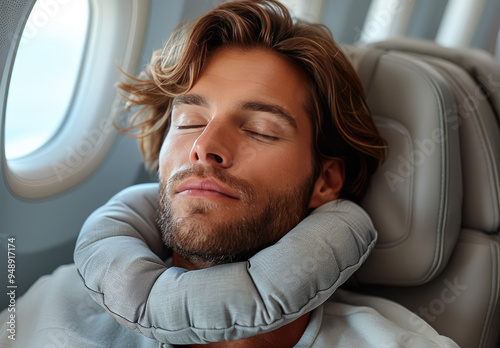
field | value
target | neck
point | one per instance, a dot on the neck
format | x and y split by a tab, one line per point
286	336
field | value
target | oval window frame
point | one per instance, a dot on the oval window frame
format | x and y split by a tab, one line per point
116	34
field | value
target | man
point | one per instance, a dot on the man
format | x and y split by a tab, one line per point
252	120
259	120
264	116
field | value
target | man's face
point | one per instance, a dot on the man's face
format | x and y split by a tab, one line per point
236	170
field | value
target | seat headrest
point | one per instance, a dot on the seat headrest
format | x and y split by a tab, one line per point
477	120
415	197
481	65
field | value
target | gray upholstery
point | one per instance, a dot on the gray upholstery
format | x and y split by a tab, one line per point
474	78
480	65
460	299
415	197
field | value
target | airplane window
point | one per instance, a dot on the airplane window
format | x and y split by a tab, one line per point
45	74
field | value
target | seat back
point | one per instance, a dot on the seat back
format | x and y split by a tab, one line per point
435	201
474	78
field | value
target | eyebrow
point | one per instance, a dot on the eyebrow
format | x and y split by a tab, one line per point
190	99
269	108
196	99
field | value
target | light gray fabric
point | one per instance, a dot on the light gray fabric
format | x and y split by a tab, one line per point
480	64
57	312
415	197
474	78
463	300
119	256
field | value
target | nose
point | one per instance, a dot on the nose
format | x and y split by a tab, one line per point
213	147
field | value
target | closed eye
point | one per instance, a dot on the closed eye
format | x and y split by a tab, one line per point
191	126
262	136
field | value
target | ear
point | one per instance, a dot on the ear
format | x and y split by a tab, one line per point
329	182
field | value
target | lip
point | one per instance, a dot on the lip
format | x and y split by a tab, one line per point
204	187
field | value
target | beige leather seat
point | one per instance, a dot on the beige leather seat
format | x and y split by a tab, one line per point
436	200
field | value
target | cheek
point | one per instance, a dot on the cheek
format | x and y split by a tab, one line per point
174	154
284	168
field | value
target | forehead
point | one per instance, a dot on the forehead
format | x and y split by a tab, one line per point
253	74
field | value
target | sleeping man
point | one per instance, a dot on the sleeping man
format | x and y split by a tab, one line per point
258	127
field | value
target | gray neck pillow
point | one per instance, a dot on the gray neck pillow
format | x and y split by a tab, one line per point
120	257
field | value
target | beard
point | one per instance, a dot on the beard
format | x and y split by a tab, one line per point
258	222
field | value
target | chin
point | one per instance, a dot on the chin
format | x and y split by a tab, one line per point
204	238
192	207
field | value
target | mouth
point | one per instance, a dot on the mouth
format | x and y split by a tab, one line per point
196	187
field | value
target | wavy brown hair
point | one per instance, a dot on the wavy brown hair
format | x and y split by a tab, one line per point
342	125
